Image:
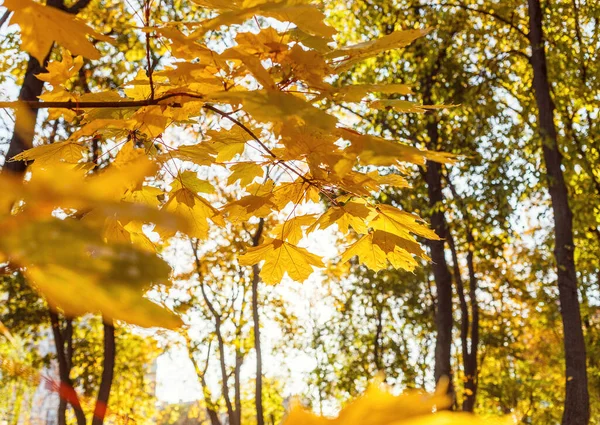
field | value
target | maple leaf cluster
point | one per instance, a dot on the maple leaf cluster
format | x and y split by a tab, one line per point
279	140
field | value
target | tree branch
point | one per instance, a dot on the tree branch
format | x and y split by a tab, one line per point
220	341
211	407
34	104
488	13
5	17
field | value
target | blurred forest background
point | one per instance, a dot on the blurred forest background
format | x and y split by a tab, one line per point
487	310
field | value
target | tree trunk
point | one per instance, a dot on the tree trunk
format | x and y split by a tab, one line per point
260	419
25	117
441	273
68	341
470	364
65	391
377	349
577	399
469	326
108	369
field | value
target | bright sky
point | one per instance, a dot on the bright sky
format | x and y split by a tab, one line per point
176	379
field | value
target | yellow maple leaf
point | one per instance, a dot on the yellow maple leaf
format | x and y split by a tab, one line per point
368	253
114	231
296	192
291	229
151	120
245	173
390	179
307	65
43	25
76	271
377	406
393	220
181	45
280	258
200	154
375	150
253	64
228	143
127	154
267	43
67	152
192	207
353	214
269	105
147	195
357	52
375	249
59	72
355	93
249	206
189	179
106	126
305	16
117	232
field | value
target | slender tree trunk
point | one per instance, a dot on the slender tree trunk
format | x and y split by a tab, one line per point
377	349
220	342
469	326
260	419
68	341
237	385
66	390
25	117
471	366
577	410
108	369
441	273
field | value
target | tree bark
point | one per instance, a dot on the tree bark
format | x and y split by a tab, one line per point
469	326
377	349
471	371
68	341
441	273
260	419
577	410
66	391
25	117
108	369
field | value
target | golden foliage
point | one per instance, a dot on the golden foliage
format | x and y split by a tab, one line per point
287	149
